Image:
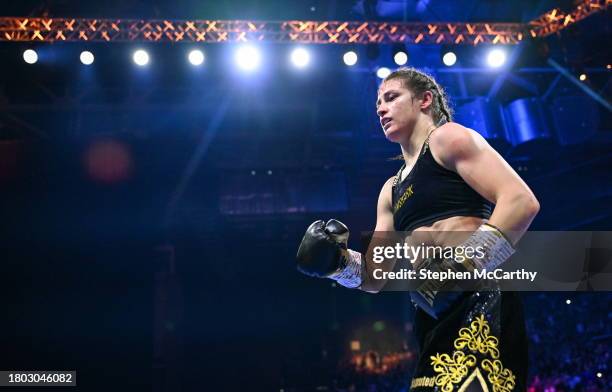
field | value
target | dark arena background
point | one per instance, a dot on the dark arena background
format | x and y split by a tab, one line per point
151	213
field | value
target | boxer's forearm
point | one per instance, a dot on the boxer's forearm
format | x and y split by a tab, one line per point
368	283
513	214
383	240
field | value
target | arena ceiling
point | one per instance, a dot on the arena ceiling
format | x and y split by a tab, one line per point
396	10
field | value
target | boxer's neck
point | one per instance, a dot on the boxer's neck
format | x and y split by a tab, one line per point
412	147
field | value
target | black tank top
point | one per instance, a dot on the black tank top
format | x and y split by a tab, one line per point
431	192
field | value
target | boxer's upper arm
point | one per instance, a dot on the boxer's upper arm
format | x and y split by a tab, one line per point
467	153
384	210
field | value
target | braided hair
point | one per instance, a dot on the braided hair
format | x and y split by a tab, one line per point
419	82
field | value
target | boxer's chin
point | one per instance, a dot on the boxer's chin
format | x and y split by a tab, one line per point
392	134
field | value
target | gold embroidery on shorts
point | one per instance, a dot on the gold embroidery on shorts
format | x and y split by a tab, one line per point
475	375
477	338
502	379
451	370
407	193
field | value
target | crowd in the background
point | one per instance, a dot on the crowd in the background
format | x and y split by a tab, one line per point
570	338
374	372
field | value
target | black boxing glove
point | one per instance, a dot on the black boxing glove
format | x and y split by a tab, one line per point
323	253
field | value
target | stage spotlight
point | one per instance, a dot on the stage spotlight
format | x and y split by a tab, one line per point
86	57
350	58
196	57
383	72
300	57
30	56
449	59
400	58
496	58
248	58
141	57
582	77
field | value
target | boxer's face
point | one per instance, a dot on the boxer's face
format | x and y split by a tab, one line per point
397	110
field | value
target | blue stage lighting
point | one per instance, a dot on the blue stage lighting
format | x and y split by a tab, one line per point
141	57
400	58
248	58
30	56
449	59
496	58
383	72
350	58
196	57
87	58
300	57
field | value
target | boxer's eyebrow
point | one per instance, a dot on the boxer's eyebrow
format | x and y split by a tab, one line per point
386	95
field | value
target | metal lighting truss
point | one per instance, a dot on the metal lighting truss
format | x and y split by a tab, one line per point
314	32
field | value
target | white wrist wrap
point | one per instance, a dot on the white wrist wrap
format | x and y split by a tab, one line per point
350	275
494	245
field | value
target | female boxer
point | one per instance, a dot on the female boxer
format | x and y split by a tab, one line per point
448	183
